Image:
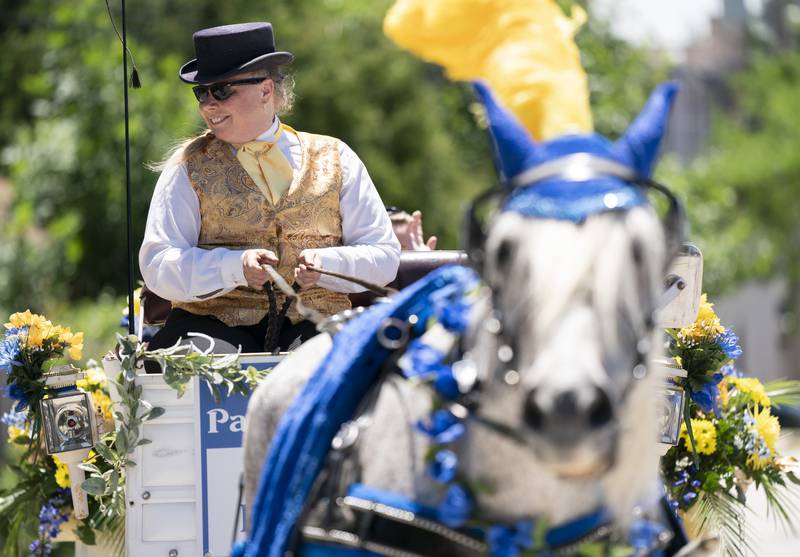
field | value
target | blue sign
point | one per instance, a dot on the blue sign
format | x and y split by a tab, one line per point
221	462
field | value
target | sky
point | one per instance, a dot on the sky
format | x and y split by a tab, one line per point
664	24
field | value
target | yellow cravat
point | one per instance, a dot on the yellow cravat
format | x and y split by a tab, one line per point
267	166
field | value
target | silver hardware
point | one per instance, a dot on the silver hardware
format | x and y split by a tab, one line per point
640	371
413	319
146	495
173	553
459	411
505	353
393	324
611	200
337	321
511	378
493	325
466	374
345	437
577	167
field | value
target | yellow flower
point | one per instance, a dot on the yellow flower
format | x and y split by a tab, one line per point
104	404
705	436
752	387
62	473
136	302
678	361
768	428
724	395
36	336
93	378
19	319
707	325
14	432
74	341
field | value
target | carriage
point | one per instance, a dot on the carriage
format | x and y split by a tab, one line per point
184	495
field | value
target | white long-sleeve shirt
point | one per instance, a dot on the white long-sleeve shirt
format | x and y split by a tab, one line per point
176	269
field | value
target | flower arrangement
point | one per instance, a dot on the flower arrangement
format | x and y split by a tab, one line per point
38	507
728	438
33	511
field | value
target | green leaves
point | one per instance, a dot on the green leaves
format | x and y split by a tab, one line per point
95	485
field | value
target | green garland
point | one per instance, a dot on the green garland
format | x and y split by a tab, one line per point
36	508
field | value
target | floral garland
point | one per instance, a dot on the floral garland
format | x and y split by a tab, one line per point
34	511
426	361
728	438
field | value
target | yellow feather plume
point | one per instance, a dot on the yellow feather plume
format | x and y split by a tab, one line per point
523	49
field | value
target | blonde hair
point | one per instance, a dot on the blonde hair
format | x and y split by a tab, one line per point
184	148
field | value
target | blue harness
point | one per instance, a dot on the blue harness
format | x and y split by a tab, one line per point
330	398
327	400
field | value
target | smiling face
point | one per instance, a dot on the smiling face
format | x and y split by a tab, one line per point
243	116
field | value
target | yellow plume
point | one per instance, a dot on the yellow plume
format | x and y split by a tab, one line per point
523	49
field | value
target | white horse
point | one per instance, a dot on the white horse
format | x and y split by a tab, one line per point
560	339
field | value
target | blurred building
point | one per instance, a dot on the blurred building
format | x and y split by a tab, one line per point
756	310
702	76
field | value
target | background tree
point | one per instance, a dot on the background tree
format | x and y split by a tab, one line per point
61	142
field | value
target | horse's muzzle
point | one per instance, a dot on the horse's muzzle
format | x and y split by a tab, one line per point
568	416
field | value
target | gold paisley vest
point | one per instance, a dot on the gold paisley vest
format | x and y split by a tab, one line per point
235	214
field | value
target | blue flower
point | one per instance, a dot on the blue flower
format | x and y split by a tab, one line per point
729	343
15	419
456	507
51	517
644	534
444	466
505	541
444	427
730	370
451	308
455	316
9	351
445	383
706	398
420	360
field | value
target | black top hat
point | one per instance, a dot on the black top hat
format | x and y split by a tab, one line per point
230	49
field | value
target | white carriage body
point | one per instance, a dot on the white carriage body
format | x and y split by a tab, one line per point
182	493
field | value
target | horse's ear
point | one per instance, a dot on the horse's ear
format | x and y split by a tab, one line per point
512	146
639	146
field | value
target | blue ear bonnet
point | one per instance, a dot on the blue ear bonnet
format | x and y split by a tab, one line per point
575	176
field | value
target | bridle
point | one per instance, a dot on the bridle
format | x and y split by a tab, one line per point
576	168
579	167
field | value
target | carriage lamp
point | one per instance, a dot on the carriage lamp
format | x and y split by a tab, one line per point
69	428
670	403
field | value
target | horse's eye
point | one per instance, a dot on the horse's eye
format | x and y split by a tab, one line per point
636	253
503	255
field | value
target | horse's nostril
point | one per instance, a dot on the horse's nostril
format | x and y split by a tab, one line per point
600	411
534	416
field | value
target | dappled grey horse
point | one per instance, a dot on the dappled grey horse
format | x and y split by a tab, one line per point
555	391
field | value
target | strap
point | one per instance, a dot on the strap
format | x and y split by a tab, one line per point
390	531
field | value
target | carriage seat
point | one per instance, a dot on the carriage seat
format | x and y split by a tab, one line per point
413	266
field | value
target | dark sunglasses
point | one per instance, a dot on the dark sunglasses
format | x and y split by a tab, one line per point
222	90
